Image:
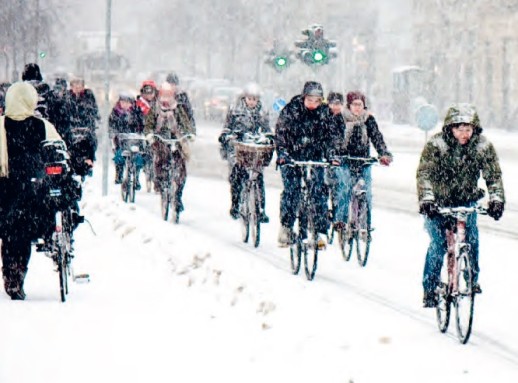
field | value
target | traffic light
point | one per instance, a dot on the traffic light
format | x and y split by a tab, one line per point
279	58
42	54
315	50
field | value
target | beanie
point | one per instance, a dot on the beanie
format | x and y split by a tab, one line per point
313	88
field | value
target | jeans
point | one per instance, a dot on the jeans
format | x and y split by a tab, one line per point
438	247
341	191
290	197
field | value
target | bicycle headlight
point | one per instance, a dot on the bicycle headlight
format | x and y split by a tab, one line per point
134	148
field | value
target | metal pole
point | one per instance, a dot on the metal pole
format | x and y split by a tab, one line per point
105	139
37	32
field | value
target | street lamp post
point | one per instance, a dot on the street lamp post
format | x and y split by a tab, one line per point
104	137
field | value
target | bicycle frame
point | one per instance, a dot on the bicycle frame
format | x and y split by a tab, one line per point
458	265
170	184
132	143
357	229
306	238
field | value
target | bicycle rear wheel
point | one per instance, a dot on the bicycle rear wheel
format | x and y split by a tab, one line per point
363	234
311	256
465	298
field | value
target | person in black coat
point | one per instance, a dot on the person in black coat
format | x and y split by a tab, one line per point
303	133
21	135
125	117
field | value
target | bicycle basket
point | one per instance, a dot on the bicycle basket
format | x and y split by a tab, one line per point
253	155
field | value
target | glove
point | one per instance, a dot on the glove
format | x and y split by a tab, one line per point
429	208
495	210
385	160
283	159
190	137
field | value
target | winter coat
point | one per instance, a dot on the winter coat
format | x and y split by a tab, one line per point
21	136
173	122
85	112
448	172
359	132
183	100
303	134
59	112
125	121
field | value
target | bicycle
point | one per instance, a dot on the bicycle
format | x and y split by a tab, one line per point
456	285
305	234
169	186
357	228
252	155
57	240
131	144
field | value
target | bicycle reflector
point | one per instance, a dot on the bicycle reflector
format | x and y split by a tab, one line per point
53	170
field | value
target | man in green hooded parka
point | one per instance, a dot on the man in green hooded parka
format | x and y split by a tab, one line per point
447	176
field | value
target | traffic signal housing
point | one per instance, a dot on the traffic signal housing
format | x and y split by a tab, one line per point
315	50
279	59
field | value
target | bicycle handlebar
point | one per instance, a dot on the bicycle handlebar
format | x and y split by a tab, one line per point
365	161
307	163
130	136
172	141
462	210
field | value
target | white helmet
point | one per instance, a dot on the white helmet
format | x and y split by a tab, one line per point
252	89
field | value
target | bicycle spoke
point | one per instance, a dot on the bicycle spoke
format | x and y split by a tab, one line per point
464	299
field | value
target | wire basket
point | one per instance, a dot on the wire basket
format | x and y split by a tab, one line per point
253	155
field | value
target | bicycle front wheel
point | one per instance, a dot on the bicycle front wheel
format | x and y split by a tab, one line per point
346	241
296	247
125	185
166	202
311	257
132	183
253	207
174	203
363	234
465	298
244	214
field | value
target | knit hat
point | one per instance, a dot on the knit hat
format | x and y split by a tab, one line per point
335	97
313	88
31	71
172	78
355	95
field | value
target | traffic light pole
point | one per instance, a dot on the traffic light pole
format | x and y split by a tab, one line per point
104	128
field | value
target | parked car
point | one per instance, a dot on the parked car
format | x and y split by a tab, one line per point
221	99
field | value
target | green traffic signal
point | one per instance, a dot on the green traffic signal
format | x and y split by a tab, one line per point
42	54
281	62
318	56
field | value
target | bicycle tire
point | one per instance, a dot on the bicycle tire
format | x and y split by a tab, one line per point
148	171
296	255
125	186
244	214
174	204
311	258
363	232
254	209
346	242
165	202
443	308
132	183
465	298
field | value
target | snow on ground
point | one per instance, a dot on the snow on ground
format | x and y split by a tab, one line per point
192	303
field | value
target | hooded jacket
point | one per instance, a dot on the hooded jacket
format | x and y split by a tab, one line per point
21	133
302	134
448	172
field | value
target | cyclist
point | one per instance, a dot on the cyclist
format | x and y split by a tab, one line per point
248	116
181	96
302	133
84	114
335	102
451	164
21	134
59	110
147	97
125	117
170	120
32	74
361	129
